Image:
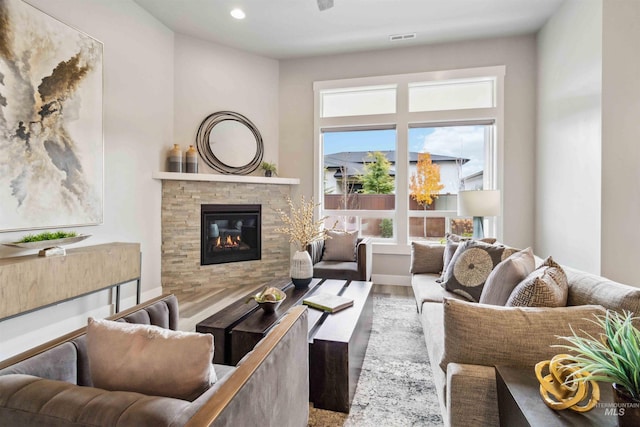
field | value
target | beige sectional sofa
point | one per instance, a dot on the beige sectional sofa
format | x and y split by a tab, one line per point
51	385
465	340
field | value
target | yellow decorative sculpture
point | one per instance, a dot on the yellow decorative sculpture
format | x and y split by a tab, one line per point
579	396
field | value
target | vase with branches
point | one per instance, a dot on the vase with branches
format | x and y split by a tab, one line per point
303	230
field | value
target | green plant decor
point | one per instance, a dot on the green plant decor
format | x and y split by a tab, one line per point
614	356
269	167
47	235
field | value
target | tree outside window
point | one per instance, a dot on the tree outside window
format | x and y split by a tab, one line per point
424	184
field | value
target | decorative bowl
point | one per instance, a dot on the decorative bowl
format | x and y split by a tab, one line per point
43	244
270	306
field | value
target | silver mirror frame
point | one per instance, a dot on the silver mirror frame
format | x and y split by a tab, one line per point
204	148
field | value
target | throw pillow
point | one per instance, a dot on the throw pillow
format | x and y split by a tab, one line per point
148	359
489	335
426	258
547	286
459	238
470	267
453	241
340	246
449	250
506	276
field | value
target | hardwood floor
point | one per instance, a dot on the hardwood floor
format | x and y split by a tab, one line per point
197	306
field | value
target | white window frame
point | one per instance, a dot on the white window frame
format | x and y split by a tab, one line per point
402	120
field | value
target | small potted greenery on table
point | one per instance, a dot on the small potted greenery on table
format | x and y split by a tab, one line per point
612	357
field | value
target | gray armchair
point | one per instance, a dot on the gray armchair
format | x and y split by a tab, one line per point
360	269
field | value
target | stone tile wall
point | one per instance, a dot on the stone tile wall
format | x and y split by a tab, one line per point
181	269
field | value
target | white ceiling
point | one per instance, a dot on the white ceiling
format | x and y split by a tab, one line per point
296	28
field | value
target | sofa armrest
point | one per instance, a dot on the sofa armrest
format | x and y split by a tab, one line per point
270	385
364	258
472	399
488	335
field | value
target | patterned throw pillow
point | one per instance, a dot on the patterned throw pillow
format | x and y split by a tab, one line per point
453	240
547	286
471	265
426	258
506	276
340	246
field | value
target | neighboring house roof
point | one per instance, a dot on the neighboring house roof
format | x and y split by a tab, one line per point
353	161
473	175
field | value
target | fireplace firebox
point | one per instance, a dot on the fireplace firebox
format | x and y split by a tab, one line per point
230	233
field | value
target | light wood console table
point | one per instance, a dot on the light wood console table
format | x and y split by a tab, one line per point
30	282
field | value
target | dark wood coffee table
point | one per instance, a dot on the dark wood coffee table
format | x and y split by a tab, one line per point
520	403
337	342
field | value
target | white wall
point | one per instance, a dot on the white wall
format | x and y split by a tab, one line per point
517	53
138	126
210	77
621	141
568	158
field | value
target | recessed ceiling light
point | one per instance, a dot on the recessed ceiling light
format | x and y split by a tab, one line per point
238	13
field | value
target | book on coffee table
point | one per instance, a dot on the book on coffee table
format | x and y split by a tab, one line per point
328	302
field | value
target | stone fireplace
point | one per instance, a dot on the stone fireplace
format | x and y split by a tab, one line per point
183	196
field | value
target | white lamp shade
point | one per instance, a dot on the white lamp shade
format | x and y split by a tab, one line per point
479	203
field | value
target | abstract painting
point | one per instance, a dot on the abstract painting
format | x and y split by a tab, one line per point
51	141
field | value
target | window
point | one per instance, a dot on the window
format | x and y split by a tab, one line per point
358	177
451	95
358	101
392	152
442	161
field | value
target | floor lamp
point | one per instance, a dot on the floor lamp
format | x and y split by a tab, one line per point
478	204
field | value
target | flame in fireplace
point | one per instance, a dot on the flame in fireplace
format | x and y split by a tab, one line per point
229	242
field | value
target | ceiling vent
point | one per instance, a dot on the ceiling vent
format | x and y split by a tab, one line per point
399	37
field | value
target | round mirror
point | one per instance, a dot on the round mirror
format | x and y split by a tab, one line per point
233	143
230	143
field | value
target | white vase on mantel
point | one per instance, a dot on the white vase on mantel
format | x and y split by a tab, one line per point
301	269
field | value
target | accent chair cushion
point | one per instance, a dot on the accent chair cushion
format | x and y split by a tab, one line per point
149	360
426	258
506	276
342	270
547	286
340	246
470	267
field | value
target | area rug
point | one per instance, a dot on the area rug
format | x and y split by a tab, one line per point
396	386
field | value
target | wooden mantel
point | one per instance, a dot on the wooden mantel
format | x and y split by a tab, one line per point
31	282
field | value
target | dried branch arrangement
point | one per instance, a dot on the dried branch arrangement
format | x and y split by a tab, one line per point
299	224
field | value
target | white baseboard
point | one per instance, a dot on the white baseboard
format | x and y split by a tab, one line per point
390	279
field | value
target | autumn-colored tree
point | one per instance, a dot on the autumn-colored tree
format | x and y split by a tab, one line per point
425	183
376	178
